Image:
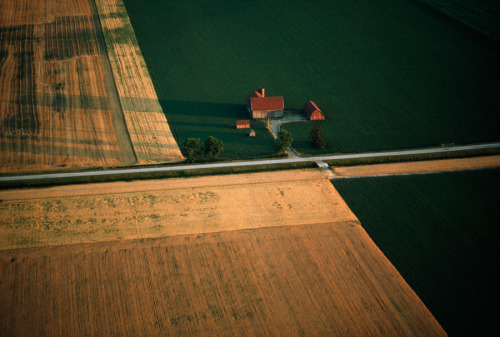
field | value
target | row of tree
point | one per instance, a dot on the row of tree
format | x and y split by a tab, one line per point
285	139
193	149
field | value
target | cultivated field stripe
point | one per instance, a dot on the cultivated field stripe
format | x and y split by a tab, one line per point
56	107
147	125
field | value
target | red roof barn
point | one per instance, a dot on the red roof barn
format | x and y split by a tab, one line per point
312	111
261	106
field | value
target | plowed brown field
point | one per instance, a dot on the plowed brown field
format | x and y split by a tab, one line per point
57	105
323	279
148	128
242	255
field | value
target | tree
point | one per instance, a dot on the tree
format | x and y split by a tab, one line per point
283	142
191	148
317	137
213	147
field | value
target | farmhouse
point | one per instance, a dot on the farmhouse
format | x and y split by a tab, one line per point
260	106
313	113
243	124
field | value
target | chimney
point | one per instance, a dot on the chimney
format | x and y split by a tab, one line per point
262	92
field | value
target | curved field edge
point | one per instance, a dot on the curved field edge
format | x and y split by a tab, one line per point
440	231
147	125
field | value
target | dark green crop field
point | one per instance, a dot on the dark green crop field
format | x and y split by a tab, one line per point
388	75
441	232
480	15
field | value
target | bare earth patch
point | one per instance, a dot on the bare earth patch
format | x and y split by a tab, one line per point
418	167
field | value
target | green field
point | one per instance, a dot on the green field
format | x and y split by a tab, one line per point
388	75
441	232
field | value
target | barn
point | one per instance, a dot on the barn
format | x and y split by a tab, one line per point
261	106
266	107
313	113
243	124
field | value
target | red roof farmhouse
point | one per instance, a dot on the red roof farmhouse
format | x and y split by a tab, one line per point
260	106
313	113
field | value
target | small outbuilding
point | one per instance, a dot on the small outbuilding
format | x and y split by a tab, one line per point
243	124
251	133
313	113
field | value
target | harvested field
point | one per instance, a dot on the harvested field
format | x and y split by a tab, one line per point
147	125
142	209
275	253
324	279
58	106
427	166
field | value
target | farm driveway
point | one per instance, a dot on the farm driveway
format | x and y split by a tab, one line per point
289	116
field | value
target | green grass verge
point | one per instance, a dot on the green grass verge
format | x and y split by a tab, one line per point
155	175
440	231
387	75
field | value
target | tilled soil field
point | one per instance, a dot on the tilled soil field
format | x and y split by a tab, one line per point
57	106
149	131
71	97
275	253
320	279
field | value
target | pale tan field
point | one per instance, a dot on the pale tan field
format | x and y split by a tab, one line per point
427	166
148	128
58	107
305	280
142	209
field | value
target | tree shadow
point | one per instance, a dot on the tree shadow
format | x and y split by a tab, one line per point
203	119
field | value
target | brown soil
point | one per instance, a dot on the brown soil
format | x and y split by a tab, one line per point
306	280
418	167
56	107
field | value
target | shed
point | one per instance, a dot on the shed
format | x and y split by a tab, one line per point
251	133
312	111
243	124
